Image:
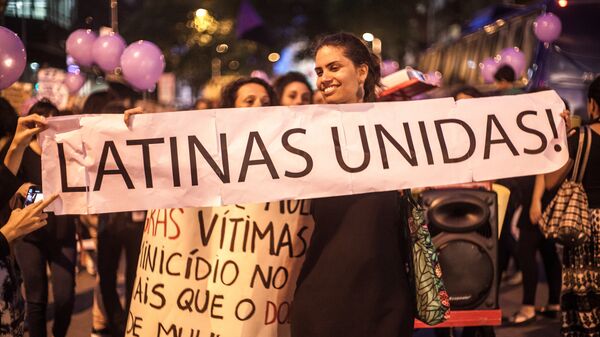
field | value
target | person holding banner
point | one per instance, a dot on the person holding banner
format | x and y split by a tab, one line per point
53	246
270	297
353	281
247	92
20	222
580	294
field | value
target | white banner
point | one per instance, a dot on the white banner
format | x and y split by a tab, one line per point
248	155
220	271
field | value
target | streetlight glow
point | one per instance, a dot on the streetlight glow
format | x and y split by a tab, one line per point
273	57
201	12
368	37
222	48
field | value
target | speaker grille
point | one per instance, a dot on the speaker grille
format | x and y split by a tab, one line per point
468	273
459	213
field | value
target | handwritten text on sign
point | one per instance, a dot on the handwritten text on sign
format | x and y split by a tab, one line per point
228	156
219	271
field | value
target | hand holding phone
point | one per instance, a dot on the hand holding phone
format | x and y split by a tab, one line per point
34	194
26	220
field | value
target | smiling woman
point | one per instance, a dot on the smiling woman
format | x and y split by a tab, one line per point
353	281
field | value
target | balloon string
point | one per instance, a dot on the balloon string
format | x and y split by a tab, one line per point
114	18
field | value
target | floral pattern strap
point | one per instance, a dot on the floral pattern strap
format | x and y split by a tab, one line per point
433	305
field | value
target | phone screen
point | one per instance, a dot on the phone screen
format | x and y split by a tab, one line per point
34	194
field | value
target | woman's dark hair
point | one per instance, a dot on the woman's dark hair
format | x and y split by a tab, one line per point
505	73
44	108
468	90
8	118
290	77
359	54
114	107
95	102
230	91
594	91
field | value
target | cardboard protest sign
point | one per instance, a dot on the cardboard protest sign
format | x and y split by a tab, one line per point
249	155
221	271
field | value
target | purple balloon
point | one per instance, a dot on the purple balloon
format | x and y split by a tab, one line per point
74	82
79	46
488	67
547	27
107	51
389	67
260	74
12	57
434	78
514	58
142	64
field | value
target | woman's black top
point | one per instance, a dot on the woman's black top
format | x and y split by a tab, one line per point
9	184
59	228
591	178
353	281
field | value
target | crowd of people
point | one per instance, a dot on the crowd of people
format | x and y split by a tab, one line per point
34	244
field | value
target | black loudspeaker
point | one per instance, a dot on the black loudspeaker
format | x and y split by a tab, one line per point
464	227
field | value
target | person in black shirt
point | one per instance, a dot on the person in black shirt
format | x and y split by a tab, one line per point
52	245
580	297
353	281
19	223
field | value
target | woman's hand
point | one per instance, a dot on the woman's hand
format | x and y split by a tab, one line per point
566	115
22	191
535	212
127	116
27	127
26	220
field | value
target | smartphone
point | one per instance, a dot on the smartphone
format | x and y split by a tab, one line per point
34	194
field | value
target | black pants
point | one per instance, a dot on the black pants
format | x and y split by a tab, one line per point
507	244
115	233
33	257
531	240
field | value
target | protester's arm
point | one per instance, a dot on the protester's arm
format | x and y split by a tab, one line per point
22	222
27	127
554	179
535	211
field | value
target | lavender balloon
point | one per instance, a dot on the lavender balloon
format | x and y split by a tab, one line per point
107	51
79	46
514	58
434	78
260	74
547	27
389	67
488	67
12	57
74	82
142	64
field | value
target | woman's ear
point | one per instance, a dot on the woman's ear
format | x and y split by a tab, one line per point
363	71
